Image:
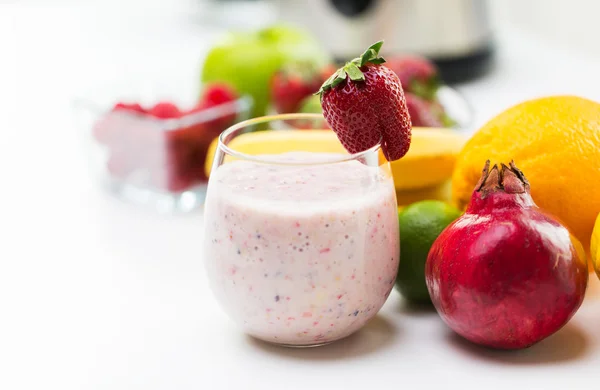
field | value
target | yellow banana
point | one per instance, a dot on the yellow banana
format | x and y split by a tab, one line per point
428	163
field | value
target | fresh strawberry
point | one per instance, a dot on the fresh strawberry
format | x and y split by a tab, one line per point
165	110
363	102
214	95
417	74
217	93
293	83
423	113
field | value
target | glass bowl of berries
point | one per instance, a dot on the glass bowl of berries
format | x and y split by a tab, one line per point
152	151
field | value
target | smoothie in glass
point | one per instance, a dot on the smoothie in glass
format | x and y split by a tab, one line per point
301	248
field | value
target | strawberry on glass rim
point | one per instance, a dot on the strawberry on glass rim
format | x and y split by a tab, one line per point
363	102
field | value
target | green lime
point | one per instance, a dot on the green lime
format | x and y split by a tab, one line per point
420	224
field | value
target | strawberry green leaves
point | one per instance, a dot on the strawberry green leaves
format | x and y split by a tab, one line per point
354	72
352	68
371	55
335	79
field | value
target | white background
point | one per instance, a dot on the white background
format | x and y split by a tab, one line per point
97	294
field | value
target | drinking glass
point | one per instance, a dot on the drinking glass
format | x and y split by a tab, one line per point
301	240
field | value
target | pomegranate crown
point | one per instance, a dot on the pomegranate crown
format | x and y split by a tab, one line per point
508	179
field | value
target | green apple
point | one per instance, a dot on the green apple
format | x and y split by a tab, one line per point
248	60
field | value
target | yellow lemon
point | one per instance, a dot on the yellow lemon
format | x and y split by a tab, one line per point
555	141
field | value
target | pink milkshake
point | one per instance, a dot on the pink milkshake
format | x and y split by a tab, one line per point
301	254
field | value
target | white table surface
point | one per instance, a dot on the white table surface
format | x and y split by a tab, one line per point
97	294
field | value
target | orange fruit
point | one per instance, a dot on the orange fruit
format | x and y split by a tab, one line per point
555	141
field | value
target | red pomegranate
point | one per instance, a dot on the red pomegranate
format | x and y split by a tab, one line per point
506	274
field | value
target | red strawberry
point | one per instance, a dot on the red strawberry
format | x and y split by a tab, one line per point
363	102
165	110
217	93
422	113
417	75
212	96
292	84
